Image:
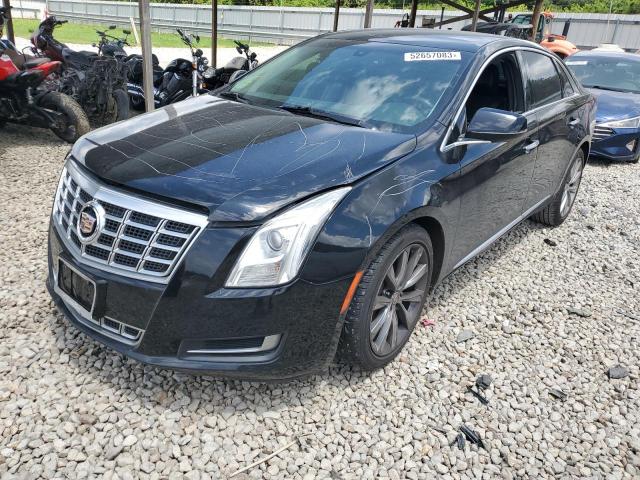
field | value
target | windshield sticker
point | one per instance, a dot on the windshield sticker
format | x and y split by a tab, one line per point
576	62
427	56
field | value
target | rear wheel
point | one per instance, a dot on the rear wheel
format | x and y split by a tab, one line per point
73	123
389	300
121	104
558	210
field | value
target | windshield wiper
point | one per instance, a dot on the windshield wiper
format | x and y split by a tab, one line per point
324	115
601	87
235	96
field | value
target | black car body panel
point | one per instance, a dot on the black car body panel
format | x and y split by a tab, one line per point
239	156
240	165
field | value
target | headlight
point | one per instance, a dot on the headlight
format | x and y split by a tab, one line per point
276	251
209	72
627	123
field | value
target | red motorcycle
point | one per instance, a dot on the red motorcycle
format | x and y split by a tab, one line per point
22	102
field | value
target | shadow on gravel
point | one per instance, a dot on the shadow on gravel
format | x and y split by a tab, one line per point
150	378
21	136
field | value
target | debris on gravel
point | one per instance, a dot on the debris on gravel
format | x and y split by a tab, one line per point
464	335
581	312
72	408
617	372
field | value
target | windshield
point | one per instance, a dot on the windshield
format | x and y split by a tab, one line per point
608	73
379	85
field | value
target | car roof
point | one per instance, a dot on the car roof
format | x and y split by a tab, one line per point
444	39
607	54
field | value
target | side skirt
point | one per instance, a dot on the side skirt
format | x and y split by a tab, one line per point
485	245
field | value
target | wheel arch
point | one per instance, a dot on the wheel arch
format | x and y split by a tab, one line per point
436	233
585	147
435	228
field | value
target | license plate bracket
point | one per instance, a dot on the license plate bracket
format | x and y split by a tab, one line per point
77	286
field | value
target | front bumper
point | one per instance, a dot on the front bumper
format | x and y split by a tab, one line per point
194	324
614	146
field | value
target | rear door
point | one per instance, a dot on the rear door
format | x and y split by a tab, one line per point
550	94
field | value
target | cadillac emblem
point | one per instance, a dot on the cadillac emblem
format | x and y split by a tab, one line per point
90	222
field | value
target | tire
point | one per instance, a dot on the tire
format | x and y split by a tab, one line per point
364	342
122	104
556	212
137	103
76	122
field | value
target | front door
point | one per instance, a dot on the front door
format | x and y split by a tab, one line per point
495	177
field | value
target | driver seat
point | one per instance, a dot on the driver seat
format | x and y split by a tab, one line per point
81	58
34	62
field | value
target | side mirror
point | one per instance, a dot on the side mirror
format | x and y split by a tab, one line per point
197	37
112	27
239	50
126	32
237	75
495	125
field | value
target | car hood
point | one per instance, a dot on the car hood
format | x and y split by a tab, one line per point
615	105
240	162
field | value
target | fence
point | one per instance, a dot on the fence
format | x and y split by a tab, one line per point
290	25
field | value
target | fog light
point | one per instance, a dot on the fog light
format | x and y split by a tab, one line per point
631	146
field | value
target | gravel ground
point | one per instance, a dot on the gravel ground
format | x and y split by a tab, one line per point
539	316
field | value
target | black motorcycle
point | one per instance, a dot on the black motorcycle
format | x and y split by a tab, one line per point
96	81
214	78
112	46
178	81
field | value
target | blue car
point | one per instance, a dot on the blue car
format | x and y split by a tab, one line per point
614	79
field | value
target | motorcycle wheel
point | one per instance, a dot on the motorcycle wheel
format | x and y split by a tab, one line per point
122	104
137	103
76	122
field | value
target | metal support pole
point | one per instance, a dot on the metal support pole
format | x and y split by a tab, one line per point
368	14
474	19
147	69
214	33
336	14
10	36
412	15
535	19
441	17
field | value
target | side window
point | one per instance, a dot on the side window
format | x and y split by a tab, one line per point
544	85
499	86
567	88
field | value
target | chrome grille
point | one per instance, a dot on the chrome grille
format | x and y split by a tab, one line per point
139	238
600	133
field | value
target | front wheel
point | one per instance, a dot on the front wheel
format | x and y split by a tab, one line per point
388	301
137	103
558	210
73	123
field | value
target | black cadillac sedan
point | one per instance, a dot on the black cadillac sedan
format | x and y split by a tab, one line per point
307	211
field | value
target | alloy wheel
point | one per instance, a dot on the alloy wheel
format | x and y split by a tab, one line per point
398	302
571	187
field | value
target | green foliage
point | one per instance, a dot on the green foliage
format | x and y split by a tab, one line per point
578	6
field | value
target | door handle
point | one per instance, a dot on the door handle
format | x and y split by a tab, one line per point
573	122
532	146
